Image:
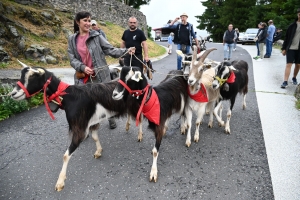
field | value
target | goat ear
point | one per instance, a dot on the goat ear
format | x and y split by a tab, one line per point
137	76
232	68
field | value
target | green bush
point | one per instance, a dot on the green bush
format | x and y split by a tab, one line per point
9	107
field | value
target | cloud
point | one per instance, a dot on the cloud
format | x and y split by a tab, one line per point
158	12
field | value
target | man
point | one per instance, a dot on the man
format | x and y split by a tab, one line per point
269	40
291	48
183	35
96	28
134	37
229	38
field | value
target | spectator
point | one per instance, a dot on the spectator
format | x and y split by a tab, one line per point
134	37
237	38
256	42
291	48
96	28
228	41
277	35
269	40
86	49
261	38
170	42
184	32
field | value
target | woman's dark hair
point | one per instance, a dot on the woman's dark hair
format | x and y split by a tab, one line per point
78	17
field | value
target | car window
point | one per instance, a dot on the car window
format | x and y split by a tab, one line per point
252	31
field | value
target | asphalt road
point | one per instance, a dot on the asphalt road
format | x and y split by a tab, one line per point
220	166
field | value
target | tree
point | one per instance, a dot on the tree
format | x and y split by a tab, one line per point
135	3
149	29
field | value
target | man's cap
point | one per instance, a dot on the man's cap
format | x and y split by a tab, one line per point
184	14
93	22
298	10
270	21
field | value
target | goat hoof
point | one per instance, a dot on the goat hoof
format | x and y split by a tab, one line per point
139	139
153	175
188	144
221	124
59	186
196	139
244	107
210	125
227	131
97	155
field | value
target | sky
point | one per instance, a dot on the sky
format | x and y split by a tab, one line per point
158	12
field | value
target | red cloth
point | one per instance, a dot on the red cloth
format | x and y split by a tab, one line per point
200	96
84	53
231	78
151	109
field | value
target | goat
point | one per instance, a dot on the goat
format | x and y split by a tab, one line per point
201	94
171	96
231	78
85	107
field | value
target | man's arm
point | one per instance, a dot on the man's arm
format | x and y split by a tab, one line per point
194	36
145	48
122	45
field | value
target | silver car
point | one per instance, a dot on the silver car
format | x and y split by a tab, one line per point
249	35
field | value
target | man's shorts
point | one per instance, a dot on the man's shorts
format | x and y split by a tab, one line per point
293	56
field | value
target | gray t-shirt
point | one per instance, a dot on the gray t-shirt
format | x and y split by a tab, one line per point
296	39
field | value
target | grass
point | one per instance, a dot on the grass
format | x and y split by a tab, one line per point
298	104
59	44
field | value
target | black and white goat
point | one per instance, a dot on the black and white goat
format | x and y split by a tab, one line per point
171	96
85	106
231	79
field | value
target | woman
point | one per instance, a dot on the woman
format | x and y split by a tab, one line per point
87	49
256	42
237	38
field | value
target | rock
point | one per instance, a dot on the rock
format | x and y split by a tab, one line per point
67	32
64	57
297	92
47	15
4	57
2	32
49	35
21	45
22	2
51	60
2	41
13	31
102	23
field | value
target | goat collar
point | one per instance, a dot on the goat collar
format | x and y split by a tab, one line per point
134	93
151	109
230	79
200	96
55	96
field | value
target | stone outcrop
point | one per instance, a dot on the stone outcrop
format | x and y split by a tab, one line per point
41	54
105	10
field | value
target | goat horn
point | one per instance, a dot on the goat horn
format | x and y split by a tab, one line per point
24	65
194	58
205	54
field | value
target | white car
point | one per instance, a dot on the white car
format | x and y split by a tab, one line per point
249	35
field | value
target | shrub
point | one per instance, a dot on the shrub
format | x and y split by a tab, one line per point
9	107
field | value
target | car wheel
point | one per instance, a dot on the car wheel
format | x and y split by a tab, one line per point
243	43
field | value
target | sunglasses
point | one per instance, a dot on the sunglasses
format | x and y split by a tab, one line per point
132	22
93	24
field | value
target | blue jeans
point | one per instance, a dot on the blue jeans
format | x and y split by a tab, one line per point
258	53
179	58
269	47
227	54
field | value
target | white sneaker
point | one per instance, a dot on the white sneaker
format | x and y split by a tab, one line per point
259	59
234	49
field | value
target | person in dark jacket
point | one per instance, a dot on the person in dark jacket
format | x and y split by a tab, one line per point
261	39
183	34
291	48
96	28
277	35
229	38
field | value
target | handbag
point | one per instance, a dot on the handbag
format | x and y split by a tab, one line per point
80	75
255	39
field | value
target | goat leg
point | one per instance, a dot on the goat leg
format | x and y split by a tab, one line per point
200	115
218	117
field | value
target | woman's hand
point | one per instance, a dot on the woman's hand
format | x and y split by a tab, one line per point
131	50
283	52
88	70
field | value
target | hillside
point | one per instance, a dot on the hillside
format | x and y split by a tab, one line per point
38	36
